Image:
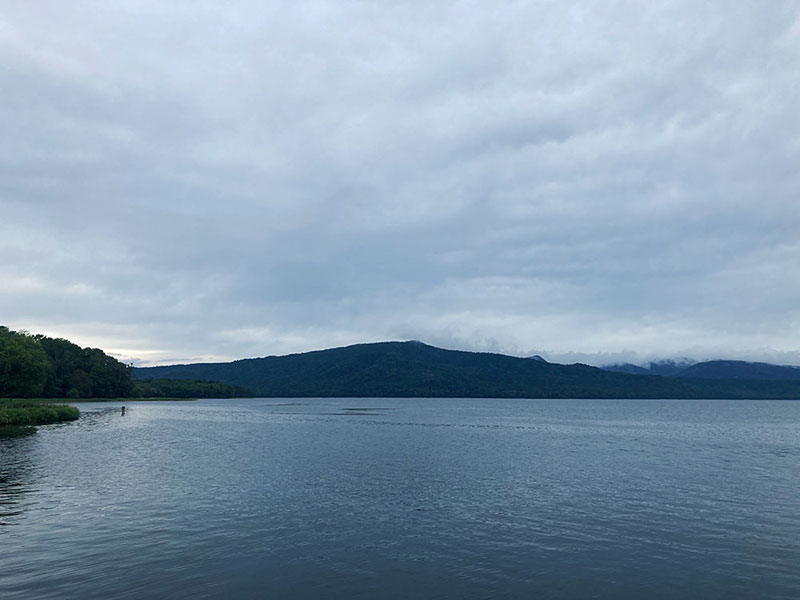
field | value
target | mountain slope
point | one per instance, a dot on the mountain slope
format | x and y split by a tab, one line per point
413	369
667	368
712	369
628	368
739	369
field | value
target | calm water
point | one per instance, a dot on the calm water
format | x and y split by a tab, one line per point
409	498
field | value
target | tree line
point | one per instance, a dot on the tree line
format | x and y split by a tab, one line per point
37	366
188	388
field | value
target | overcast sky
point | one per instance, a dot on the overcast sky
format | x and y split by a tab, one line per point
596	181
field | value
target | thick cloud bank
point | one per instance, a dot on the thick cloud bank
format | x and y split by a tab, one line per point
186	181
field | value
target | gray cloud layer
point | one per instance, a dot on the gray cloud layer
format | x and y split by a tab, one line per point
585	180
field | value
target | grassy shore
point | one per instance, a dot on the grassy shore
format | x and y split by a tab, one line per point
26	412
23	412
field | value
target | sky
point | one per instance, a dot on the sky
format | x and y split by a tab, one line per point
589	181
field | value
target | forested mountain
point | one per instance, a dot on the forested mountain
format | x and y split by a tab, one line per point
40	366
712	369
739	369
667	368
413	369
628	368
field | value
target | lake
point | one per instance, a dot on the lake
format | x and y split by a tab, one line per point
405	498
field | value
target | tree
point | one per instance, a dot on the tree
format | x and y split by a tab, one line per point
36	365
24	366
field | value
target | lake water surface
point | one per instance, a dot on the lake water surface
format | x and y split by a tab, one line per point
405	498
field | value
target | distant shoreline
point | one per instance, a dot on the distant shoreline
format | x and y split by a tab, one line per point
120	400
71	400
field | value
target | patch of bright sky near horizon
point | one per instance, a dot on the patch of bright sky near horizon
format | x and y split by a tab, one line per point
594	181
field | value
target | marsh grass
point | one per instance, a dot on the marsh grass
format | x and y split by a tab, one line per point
26	412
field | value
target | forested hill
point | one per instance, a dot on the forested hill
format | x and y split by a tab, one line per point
37	366
40	366
712	369
739	369
413	369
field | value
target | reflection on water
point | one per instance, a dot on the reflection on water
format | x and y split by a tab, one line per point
13	431
364	498
16	472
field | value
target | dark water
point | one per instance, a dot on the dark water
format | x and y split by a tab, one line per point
406	499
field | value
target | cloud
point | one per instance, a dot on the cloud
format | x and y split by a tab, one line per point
208	182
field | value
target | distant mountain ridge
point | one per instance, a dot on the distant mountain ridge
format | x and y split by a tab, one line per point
711	369
414	369
666	368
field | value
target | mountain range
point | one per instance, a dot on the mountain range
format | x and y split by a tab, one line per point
414	369
712	369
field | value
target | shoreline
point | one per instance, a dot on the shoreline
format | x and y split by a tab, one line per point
37	401
26	413
17	413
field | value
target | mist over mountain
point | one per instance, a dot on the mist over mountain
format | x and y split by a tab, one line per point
711	369
738	369
666	367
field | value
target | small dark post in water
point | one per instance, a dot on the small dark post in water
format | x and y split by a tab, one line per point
123	411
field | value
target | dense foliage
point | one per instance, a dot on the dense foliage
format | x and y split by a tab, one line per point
413	369
15	413
39	366
187	388
24	365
